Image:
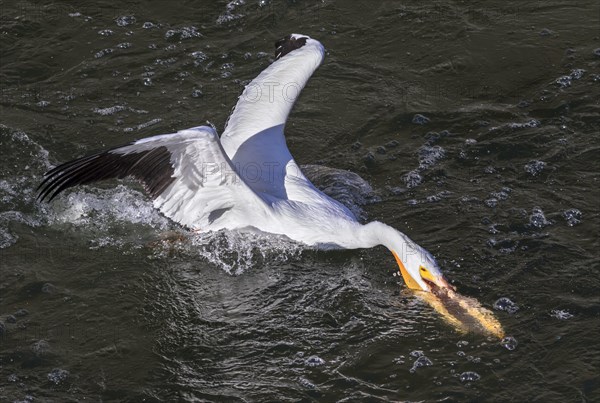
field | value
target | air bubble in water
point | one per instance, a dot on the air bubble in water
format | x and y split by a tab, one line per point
509	343
103	53
535	167
125	20
399	360
413	179
505	304
430	156
417	353
419	119
422	361
538	219
58	376
314	361
469	376
491	202
573	216
561	314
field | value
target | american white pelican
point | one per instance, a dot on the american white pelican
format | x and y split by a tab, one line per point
247	179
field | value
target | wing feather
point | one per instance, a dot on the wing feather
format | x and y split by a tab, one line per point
189	176
151	167
254	134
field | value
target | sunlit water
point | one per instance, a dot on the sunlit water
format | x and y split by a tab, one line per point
476	129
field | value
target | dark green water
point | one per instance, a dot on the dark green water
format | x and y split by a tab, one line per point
501	185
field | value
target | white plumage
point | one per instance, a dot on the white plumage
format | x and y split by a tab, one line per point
247	179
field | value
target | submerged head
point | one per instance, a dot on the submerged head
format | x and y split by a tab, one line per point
419	269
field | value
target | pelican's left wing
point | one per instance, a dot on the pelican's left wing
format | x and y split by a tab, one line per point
254	137
190	178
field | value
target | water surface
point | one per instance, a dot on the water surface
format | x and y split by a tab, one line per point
101	300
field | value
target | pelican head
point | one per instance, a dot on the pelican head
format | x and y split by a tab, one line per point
419	269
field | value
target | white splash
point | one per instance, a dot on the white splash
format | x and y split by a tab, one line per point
235	252
101	207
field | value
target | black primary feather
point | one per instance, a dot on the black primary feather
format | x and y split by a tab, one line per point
152	167
287	44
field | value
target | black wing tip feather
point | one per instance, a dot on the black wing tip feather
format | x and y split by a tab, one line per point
286	44
152	167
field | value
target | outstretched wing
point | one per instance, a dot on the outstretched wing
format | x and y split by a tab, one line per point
187	174
253	138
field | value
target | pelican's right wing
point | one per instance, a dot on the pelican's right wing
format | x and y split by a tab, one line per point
190	178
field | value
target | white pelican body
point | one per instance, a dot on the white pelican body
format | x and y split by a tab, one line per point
247	179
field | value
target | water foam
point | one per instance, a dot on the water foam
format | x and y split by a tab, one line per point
103	209
103	206
230	14
18	195
429	156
